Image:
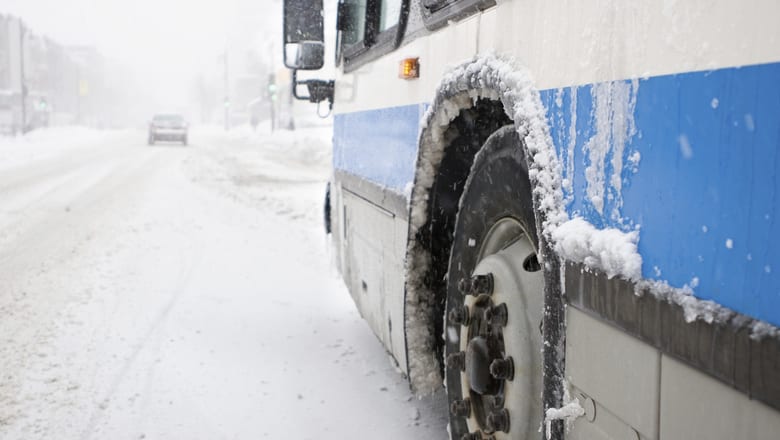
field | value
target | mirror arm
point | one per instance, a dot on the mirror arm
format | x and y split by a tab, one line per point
295	86
319	90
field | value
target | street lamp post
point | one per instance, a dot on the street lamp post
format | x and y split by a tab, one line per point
22	81
226	103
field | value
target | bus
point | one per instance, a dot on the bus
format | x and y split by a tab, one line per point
563	213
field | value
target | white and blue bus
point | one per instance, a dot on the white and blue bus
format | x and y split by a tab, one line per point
567	213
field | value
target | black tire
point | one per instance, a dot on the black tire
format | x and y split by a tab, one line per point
326	209
497	190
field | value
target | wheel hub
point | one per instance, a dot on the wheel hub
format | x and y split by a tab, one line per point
500	343
478	360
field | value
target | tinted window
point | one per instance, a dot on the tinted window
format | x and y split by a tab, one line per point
437	13
168	118
302	21
368	29
434	5
355	21
389	14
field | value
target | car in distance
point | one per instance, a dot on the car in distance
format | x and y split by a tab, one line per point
167	127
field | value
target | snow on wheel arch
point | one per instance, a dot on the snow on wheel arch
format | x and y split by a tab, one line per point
609	250
483	77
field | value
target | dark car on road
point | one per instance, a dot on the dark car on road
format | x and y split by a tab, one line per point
167	127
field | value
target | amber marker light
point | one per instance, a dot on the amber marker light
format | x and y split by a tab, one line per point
409	68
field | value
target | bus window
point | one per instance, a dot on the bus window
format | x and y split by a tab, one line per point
437	13
355	22
367	30
435	5
389	15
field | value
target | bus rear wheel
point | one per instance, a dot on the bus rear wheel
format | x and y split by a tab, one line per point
494	300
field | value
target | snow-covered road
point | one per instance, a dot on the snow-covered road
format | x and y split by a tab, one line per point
173	292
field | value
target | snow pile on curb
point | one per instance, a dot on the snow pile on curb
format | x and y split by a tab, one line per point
282	171
69	135
306	145
46	142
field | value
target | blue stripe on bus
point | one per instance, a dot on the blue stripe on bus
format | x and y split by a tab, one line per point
704	193
379	145
706	190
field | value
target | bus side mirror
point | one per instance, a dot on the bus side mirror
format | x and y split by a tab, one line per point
304	46
304	55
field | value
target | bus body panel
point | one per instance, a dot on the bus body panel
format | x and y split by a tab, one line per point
629	389
709	223
574	43
379	145
664	118
693	162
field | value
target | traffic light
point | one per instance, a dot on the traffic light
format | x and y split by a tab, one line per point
272	87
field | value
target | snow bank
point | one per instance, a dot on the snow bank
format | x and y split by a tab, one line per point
70	135
284	171
46	142
162	293
305	145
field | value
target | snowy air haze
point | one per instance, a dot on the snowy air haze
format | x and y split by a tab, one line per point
177	287
167	48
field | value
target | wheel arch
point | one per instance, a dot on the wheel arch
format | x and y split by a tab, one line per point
507	86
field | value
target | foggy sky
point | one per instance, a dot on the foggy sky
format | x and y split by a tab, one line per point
167	43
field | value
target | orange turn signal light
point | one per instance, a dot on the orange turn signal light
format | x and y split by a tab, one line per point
409	68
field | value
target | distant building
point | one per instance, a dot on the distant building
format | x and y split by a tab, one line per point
60	84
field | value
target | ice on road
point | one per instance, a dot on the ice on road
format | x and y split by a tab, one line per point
174	292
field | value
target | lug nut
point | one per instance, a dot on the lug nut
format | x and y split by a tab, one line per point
503	369
477	285
498	420
461	408
464	285
497	315
496	402
457	361
460	315
482	284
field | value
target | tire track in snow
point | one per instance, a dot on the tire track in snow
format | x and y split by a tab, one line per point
33	297
182	282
